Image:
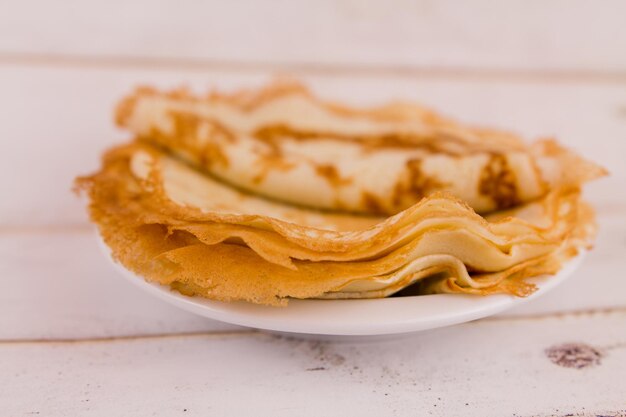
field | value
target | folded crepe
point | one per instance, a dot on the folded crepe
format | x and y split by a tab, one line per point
283	143
178	226
274	194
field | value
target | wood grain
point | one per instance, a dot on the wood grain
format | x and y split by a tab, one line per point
561	35
76	339
483	368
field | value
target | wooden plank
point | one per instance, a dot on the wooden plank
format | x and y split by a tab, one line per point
58	121
553	35
488	368
60	286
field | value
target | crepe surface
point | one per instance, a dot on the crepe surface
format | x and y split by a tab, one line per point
176	226
284	143
274	194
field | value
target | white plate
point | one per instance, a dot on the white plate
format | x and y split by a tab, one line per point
371	317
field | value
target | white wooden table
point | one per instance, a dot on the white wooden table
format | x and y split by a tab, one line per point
75	339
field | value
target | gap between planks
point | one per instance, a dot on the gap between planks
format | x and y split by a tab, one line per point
255	332
312	68
108	339
47	229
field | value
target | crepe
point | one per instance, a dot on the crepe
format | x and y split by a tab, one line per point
274	194
283	143
175	225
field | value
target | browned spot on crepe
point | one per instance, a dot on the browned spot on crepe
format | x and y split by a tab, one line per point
268	163
498	182
272	134
187	125
212	153
414	185
372	203
331	174
205	150
249	100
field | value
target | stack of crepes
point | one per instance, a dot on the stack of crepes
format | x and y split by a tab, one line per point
274	194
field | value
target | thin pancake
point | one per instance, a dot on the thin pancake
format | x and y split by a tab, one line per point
284	143
173	225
